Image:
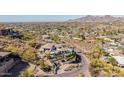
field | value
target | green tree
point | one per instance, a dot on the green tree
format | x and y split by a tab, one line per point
29	55
32	43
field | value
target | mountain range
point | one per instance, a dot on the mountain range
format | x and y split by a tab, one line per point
90	18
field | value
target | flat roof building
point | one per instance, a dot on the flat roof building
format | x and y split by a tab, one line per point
120	60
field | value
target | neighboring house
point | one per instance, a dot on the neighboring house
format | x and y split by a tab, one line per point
46	38
114	51
6	62
114	48
10	32
111	51
119	60
76	38
108	39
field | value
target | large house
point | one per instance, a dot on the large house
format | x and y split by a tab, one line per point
56	49
52	47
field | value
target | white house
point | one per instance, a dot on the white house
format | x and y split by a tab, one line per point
55	49
120	60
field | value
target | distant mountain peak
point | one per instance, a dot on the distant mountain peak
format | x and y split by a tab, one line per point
90	18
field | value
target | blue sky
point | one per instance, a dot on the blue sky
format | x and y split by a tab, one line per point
36	18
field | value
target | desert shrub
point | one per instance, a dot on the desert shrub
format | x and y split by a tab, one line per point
29	55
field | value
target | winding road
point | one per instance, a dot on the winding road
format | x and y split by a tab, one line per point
84	69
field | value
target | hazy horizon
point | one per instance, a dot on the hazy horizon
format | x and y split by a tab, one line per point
37	18
41	18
